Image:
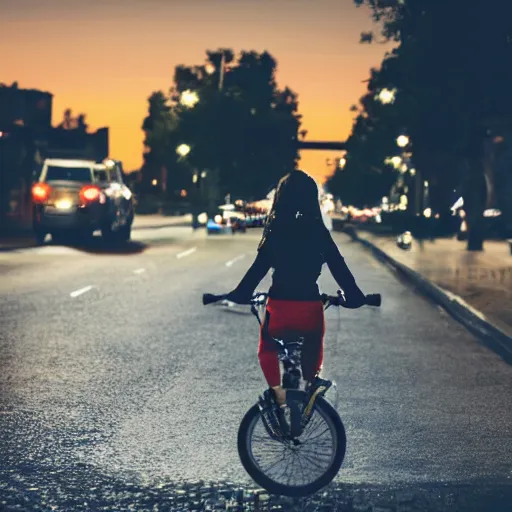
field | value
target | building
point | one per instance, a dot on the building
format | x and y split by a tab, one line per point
27	137
26	107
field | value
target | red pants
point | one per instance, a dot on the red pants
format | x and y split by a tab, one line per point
292	319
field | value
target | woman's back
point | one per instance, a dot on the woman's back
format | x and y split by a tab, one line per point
297	258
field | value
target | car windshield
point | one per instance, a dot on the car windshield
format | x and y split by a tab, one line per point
101	174
54	173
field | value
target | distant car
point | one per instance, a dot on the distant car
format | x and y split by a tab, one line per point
226	224
255	221
238	223
213	227
78	197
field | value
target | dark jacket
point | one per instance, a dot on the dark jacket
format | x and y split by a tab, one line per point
297	259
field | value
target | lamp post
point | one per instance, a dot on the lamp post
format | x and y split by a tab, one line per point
403	141
3	195
211	68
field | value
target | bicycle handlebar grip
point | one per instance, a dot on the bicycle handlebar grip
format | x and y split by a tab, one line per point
210	298
374	299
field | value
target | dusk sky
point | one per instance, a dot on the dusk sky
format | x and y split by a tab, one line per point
105	57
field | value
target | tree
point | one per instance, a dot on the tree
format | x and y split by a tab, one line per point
69	122
159	128
450	64
242	129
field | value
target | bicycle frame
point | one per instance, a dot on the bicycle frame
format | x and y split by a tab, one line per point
289	353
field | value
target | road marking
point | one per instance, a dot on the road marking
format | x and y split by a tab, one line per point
76	293
139	270
186	253
230	263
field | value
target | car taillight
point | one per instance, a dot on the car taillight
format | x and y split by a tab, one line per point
89	193
40	192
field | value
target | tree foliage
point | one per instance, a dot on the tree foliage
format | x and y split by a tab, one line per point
453	81
243	129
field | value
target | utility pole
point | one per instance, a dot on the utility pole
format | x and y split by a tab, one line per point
3	136
221	72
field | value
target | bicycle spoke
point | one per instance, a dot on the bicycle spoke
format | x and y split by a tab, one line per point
312	462
317	436
295	465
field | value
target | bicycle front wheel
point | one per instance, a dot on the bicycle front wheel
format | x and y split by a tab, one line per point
293	467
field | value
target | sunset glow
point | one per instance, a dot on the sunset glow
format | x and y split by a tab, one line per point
105	58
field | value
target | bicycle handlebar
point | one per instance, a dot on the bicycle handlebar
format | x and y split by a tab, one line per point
373	299
210	298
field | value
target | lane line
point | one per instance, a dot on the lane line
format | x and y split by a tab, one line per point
139	270
230	263
76	293
186	253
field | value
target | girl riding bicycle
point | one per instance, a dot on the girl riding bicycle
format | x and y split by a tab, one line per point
295	243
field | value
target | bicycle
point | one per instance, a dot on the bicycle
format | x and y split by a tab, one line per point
297	429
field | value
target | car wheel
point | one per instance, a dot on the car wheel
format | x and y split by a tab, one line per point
85	236
125	233
62	237
40	235
107	234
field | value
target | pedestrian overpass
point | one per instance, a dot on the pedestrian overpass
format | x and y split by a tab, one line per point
322	145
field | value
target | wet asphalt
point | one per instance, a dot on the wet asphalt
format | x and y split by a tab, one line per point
120	391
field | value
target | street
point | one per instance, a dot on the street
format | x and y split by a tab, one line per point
120	391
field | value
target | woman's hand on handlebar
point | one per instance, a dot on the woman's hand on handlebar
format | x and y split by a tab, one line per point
210	298
341	299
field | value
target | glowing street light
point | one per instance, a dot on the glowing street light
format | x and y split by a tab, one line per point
342	162
395	161
154	182
210	68
402	141
189	98
386	96
183	150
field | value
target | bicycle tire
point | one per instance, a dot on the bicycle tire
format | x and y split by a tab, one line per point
293	491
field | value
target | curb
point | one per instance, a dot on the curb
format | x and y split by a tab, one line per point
474	321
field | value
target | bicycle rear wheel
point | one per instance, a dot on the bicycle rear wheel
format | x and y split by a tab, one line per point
289	468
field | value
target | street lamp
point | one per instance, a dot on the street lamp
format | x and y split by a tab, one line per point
402	141
342	162
183	150
386	96
395	161
189	98
154	182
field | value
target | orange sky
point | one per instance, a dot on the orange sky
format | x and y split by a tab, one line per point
105	57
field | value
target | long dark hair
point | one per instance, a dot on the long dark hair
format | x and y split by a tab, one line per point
295	206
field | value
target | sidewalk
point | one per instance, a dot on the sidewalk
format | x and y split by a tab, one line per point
482	279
